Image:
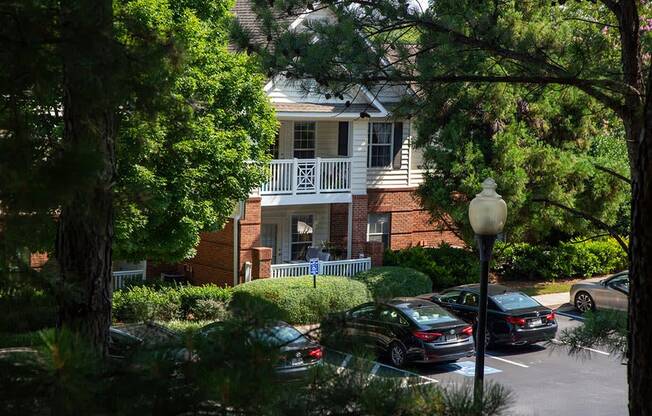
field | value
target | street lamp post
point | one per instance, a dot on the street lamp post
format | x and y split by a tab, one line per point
487	214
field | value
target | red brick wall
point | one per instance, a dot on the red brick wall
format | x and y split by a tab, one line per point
410	224
214	260
37	260
359	232
249	232
339	225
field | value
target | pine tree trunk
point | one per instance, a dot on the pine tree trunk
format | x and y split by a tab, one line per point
640	301
85	226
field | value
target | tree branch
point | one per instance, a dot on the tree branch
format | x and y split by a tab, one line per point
613	173
595	221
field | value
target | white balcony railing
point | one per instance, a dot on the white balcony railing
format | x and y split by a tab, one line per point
308	176
327	268
122	277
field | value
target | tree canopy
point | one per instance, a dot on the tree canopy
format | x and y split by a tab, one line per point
193	131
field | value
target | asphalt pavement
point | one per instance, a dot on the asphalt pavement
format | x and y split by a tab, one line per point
546	380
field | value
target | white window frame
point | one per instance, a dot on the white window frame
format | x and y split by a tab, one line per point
314	141
371	144
389	226
292	243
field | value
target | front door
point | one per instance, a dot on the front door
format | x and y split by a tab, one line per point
269	238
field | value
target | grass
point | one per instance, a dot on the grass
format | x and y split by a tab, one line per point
544	288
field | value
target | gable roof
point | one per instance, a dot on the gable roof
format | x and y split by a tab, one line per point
250	22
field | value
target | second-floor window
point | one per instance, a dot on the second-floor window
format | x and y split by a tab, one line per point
378	228
304	139
380	145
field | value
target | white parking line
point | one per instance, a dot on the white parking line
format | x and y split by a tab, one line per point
507	361
374	369
568	315
557	341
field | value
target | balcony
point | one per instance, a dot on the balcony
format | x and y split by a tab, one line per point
293	181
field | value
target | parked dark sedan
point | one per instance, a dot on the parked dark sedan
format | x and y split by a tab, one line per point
513	318
409	330
297	354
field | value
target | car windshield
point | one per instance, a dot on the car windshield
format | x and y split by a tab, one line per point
277	335
514	300
430	314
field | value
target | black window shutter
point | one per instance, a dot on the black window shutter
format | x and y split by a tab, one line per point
343	139
398	143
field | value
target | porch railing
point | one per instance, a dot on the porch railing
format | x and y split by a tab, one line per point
122	277
346	268
308	176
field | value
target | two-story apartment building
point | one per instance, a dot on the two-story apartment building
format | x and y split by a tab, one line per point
343	176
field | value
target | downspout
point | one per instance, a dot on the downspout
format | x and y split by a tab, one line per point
236	243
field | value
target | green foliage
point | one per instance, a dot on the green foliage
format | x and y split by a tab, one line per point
606	328
389	282
192	123
523	261
228	373
146	303
26	302
294	299
445	265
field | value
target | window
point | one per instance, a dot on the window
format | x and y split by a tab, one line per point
302	230
450	297
364	312
515	300
391	316
378	229
304	139
469	299
380	145
430	315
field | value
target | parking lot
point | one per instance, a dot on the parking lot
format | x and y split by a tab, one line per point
544	379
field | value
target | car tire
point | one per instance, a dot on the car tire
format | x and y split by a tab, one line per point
397	354
584	302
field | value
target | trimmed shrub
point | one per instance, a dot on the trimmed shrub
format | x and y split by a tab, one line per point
523	261
445	265
293	299
144	303
389	282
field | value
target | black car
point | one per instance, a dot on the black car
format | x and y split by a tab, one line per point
409	330
297	354
513	318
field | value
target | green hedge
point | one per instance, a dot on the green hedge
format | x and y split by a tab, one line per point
142	303
293	299
445	265
524	261
391	281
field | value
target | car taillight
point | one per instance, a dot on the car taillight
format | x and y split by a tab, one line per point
468	330
426	336
551	316
316	353
515	321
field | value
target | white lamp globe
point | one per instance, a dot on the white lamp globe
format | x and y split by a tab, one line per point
488	210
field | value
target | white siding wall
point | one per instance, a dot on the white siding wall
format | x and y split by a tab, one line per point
325	141
358	152
282	216
389	177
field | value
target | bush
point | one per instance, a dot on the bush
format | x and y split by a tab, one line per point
569	259
293	299
144	303
445	265
391	281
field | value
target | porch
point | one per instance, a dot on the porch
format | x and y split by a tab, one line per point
308	176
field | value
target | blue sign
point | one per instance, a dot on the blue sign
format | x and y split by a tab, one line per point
467	368
314	266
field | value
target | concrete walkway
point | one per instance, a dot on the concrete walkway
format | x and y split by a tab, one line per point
553	300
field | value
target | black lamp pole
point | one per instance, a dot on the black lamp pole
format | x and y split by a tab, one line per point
485	246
